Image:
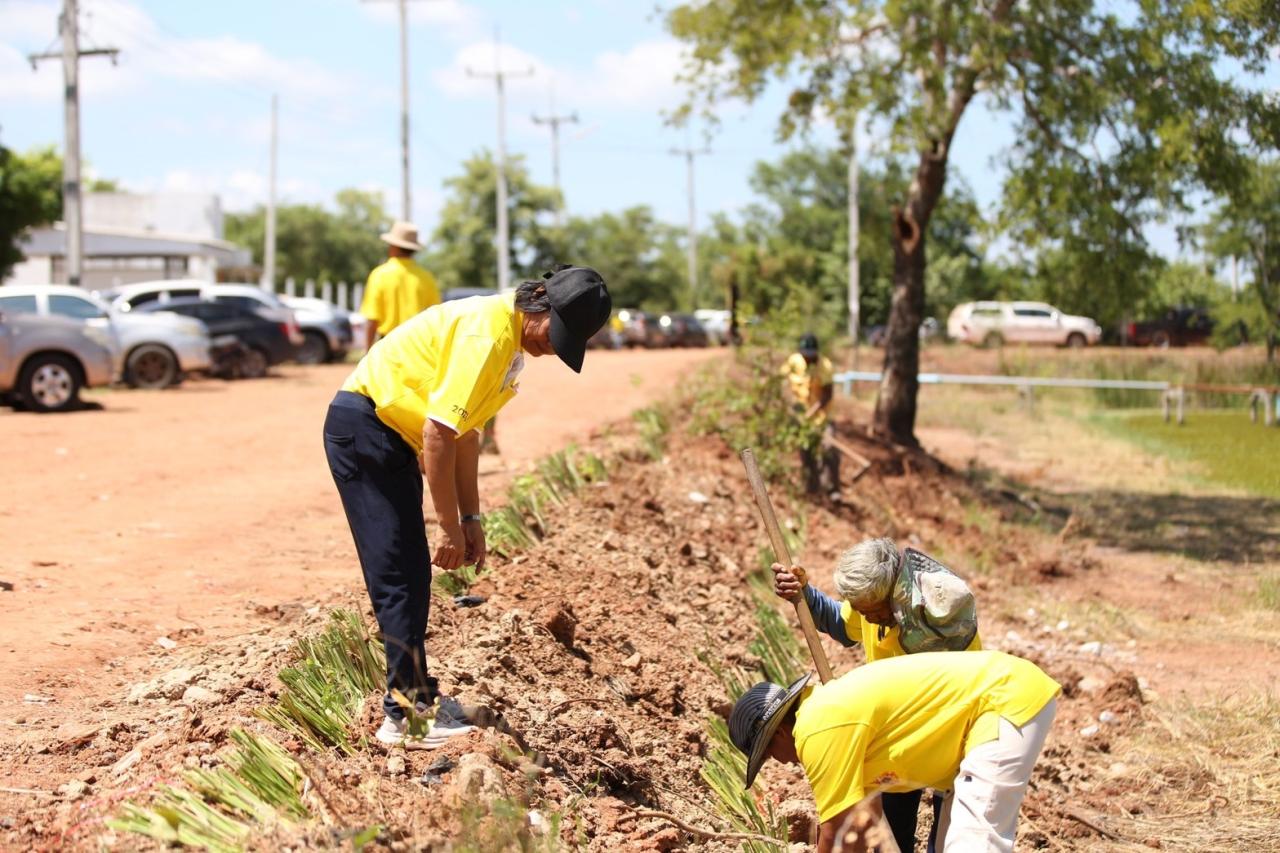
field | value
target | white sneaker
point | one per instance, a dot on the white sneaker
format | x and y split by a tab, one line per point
425	732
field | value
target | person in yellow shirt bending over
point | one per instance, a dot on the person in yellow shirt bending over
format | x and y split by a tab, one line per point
425	390
398	288
894	603
971	723
810	386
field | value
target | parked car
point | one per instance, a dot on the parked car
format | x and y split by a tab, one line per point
681	331
716	324
1179	327
46	360
131	296
326	329
878	335
996	323
152	351
265	340
634	331
466	293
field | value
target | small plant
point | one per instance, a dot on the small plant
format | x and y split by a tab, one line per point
325	690
723	770
258	786
456	582
1269	591
781	655
652	424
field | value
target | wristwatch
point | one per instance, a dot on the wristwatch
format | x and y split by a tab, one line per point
475	516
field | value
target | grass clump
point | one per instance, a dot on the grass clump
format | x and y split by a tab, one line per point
325	690
258	787
1269	592
1224	446
653	426
723	771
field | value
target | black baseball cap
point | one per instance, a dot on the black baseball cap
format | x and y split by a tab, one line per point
756	716
580	305
809	345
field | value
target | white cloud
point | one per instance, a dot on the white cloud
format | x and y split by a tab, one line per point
29	21
149	54
642	76
455	19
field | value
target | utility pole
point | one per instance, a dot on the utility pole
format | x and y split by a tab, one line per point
269	250
504	237
406	199
554	121
689	153
72	214
855	294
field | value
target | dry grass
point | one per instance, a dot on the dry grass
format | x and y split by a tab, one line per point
1208	776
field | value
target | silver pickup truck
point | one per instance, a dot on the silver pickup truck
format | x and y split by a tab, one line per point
45	361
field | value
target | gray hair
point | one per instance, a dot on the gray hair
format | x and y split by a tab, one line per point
866	572
532	298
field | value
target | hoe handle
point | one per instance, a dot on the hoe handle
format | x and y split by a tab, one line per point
783	556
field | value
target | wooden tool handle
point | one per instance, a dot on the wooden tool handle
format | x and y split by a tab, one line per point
783	556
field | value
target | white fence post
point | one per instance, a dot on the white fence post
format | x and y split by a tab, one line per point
357	297
290	287
326	291
342	296
309	289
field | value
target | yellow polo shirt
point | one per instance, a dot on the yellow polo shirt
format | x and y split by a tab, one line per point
397	290
457	364
806	381
906	723
876	647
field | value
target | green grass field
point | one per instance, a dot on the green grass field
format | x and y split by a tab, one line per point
1225	446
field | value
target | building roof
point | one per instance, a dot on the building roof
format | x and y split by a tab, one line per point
122	242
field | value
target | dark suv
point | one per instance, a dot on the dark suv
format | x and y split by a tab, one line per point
1179	327
262	342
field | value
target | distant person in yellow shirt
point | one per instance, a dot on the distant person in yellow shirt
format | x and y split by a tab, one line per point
810	386
971	723
398	288
893	603
426	389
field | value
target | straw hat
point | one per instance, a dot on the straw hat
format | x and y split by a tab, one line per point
404	235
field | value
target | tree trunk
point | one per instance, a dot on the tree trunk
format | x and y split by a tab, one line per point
895	415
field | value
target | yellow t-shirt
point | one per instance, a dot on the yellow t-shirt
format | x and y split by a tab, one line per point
456	363
876	647
805	380
397	290
906	723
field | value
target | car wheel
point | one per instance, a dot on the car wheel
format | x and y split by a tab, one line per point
151	366
993	340
314	349
1075	340
253	364
50	383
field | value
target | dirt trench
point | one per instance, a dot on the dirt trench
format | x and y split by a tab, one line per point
591	645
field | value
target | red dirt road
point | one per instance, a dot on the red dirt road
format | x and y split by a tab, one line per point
188	513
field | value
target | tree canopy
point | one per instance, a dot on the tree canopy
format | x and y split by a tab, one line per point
1120	115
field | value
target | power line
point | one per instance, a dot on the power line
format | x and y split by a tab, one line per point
504	237
554	121
72	214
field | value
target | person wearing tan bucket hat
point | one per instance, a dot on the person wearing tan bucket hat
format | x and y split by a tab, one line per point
398	288
895	602
972	724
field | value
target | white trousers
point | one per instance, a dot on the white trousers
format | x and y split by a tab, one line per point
980	815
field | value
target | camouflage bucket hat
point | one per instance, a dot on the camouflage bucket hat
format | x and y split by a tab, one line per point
935	609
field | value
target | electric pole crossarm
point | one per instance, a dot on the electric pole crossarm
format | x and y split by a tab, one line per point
113	52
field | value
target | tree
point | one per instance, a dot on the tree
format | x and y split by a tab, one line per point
640	257
463	248
1247	227
1119	117
30	195
315	243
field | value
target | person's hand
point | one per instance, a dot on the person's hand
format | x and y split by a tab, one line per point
473	534
788	583
452	547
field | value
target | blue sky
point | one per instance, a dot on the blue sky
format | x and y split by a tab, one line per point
188	106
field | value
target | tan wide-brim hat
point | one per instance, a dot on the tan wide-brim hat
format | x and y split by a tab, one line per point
404	235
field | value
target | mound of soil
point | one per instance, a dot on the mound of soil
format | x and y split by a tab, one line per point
590	648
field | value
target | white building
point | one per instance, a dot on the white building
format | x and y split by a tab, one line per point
132	237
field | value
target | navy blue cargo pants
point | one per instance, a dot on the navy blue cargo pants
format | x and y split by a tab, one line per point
381	489
902	810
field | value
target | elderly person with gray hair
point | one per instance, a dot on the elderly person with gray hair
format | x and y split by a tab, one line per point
894	602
